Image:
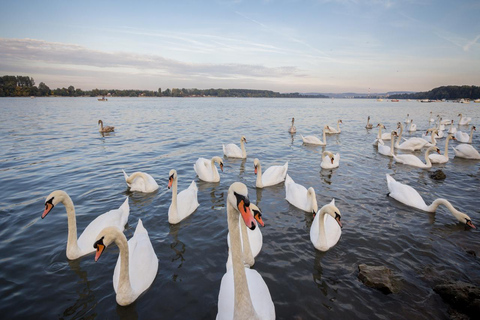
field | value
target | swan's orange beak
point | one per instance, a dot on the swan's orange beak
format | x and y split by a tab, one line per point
470	224
337	218
332	159
100	248
170	181
246	215
48	207
221	166
258	217
255	169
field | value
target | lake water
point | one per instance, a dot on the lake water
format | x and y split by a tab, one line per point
54	143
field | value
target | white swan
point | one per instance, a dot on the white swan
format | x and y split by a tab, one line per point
184	203
369	125
137	263
410	197
439	158
464	137
140	181
243	292
411	144
444	122
299	196
84	244
431	118
464	121
253	246
414	161
292	129
452	128
330	161
407	121
412	127
386	150
233	151
382	136
105	129
272	176
433	132
466	151
316	141
326	227
206	169
331	130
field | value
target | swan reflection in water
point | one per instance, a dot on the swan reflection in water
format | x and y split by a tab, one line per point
178	248
86	300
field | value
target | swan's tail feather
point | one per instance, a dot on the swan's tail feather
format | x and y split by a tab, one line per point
224	151
125	211
140	228
288	180
193	186
125	175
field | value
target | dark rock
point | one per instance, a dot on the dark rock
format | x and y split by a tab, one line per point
438	175
461	296
473	253
378	277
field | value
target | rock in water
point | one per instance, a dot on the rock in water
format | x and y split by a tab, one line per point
438	175
461	296
378	277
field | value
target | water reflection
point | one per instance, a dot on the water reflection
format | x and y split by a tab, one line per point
178	248
127	312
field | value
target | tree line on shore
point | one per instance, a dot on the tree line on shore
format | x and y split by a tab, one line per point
444	92
24	86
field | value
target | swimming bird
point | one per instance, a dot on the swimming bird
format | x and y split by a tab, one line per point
326	227
386	150
233	151
292	129
184	203
331	130
466	151
316	141
272	176
141	182
464	137
464	121
299	196
439	158
84	244
105	129
369	125
414	161
330	161
206	169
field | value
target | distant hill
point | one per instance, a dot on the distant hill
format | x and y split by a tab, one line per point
445	92
352	95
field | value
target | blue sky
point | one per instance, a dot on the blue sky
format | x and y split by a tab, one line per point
286	46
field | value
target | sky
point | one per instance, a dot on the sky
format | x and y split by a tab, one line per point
326	46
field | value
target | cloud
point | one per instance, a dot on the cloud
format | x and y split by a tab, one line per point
20	51
471	43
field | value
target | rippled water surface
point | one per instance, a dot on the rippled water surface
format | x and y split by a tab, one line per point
50	144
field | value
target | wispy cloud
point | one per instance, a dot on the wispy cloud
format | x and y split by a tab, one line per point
471	43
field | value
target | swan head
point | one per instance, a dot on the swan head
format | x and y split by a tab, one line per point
434	148
381	126
172	175
257	214
474	129
52	200
100	122
219	161
104	239
394	133
293	120
340	121
329	154
238	198
459	115
243	139
256	164
333	211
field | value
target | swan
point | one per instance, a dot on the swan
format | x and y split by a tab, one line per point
410	197
84	244
326	227
412	127
243	292
433	132
330	161
452	128
292	128
272	176
431	118
380	135
253	246
407	121
331	130
233	151
386	150
137	263
466	151
464	121
438	158
206	169
369	125
411	160
300	197
140	181
463	137
411	144
184	203
316	141
444	122
105	129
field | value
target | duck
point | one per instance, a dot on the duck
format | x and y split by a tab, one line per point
140	181
331	130
464	137
466	151
233	151
369	125
77	248
298	196
272	176
316	141
414	161
464	121
326	227
137	263
439	158
386	150
411	144
292	129
410	197
243	292
382	136
253	246
184	203
452	129
330	161
206	169
105	129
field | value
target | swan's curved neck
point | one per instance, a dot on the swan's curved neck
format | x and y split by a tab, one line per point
427	159
173	208
471	135
338	125
72	245
214	171
124	289
244	152
247	249
137	175
101	124
380	132
457	214
322	236
445	153
324	136
259	182
243	307
392	149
